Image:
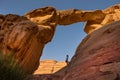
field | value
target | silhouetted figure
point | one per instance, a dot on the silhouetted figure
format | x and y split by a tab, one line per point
67	57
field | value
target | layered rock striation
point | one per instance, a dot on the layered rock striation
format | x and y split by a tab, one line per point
49	67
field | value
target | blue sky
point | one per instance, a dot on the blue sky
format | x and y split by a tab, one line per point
66	38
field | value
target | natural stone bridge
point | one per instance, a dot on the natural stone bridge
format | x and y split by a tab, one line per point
24	37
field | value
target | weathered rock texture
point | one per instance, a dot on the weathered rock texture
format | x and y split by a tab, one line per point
111	14
44	77
24	40
21	39
24	37
49	67
98	56
48	16
94	19
47	19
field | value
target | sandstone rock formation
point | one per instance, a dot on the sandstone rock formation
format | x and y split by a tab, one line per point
94	19
24	37
46	19
98	56
93	61
21	39
49	67
48	16
111	14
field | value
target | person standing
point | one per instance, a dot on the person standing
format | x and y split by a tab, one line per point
67	59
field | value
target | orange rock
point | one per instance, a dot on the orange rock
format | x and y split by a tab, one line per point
94	19
49	67
24	40
24	37
96	58
111	14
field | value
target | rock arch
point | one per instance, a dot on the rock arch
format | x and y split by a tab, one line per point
26	35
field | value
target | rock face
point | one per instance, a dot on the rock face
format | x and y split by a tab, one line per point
44	77
98	56
24	37
47	19
21	39
111	14
49	67
24	40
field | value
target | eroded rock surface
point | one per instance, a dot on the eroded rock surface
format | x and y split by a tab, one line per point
99	60
98	56
49	67
44	77
23	39
49	16
46	19
95	19
111	14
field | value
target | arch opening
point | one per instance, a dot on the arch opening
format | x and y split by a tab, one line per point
64	42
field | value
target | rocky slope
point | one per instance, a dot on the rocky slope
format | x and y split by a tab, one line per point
49	67
97	57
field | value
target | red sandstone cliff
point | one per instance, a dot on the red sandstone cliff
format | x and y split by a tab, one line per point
98	56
